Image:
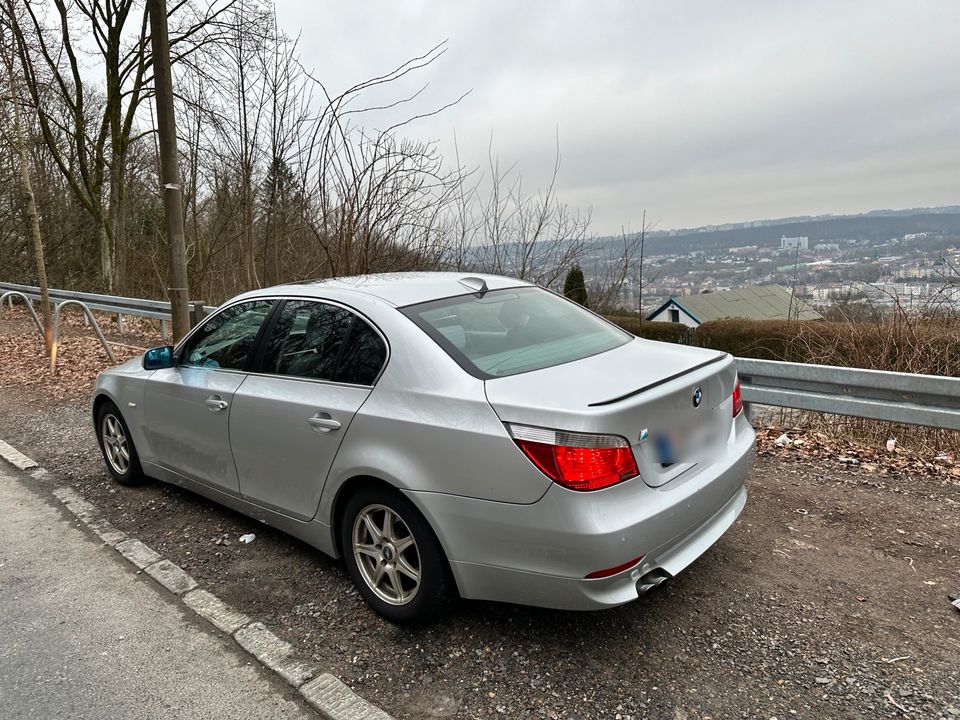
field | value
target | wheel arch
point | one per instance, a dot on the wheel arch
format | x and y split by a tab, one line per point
358	482
344	492
99	398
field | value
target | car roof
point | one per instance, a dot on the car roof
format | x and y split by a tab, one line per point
400	288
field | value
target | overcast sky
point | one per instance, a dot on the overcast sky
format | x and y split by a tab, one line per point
698	112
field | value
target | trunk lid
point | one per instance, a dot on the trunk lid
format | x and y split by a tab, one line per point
643	391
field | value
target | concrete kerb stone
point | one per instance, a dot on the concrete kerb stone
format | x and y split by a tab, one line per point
335	701
136	552
15	457
274	653
107	532
171	576
76	504
215	611
266	647
330	697
89	515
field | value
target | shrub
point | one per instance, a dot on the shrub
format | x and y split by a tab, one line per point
663	331
928	347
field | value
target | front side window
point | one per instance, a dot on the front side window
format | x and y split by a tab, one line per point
323	342
226	339
506	332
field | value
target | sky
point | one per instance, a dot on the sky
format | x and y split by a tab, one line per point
695	112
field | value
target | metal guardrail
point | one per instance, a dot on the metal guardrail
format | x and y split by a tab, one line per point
121	306
930	400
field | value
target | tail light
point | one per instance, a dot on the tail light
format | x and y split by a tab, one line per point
737	401
578	461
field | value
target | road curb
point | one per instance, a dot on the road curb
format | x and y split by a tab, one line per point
324	692
15	457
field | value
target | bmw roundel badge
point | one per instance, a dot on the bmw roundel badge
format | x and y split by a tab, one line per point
697	397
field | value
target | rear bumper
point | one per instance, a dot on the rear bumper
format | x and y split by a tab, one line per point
539	554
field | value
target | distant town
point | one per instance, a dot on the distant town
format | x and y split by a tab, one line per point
899	258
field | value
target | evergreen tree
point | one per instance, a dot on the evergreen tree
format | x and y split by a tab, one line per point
574	286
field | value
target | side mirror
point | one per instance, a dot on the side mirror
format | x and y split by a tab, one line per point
158	358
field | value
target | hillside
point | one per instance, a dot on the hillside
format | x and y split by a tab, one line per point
873	227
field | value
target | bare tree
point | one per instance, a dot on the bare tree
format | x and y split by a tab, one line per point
529	235
100	125
281	179
9	57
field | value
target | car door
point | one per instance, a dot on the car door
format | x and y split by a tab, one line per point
188	406
318	365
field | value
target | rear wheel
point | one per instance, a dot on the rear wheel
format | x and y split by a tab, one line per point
393	556
119	454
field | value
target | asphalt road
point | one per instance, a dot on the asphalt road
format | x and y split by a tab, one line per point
82	636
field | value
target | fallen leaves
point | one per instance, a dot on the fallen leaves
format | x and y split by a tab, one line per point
890	459
81	357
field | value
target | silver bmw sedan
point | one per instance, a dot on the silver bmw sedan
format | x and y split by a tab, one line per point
444	433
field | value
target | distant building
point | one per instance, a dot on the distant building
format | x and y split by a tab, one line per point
793	243
765	302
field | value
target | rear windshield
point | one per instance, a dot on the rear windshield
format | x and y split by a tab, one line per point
506	332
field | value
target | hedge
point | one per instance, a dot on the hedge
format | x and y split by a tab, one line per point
667	332
918	347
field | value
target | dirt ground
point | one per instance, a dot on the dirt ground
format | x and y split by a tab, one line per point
827	599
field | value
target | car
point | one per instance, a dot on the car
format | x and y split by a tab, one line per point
444	433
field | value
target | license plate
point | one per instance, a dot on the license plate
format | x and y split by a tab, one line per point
663	450
691	445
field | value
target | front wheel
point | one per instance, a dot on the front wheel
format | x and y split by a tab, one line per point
119	454
393	556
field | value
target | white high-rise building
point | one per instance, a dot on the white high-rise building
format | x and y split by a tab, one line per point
793	243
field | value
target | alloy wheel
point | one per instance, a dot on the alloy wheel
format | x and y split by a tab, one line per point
386	554
115	445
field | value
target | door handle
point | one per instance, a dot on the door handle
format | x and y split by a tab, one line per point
322	422
215	403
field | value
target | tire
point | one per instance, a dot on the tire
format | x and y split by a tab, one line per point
116	445
406	548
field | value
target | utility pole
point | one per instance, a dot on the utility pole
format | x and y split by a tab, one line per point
643	238
169	169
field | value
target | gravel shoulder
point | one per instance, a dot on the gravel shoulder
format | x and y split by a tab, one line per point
826	599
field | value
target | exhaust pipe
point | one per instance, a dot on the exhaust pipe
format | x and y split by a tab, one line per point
651	581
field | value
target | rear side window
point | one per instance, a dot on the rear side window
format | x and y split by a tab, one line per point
320	341
506	332
363	355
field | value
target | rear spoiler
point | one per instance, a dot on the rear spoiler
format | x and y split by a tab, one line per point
667	379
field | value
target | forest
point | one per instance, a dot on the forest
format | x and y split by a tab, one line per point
282	179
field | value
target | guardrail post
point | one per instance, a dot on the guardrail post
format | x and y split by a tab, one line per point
11	296
197	313
121	326
57	309
163	330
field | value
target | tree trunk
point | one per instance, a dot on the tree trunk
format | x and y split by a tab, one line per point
170	170
31	206
106	254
